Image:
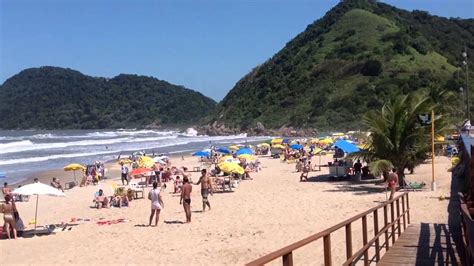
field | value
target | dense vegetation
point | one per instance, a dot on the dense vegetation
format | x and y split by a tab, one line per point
358	56
52	98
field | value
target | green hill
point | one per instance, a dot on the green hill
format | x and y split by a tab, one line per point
360	54
58	98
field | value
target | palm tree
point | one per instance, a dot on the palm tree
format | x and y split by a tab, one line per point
397	137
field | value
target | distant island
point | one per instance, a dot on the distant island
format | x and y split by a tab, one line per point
59	98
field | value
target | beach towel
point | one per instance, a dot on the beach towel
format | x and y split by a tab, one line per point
109	222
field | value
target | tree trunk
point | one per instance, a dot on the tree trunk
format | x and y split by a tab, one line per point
401	176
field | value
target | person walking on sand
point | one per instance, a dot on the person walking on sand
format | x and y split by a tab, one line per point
8	209
206	187
392	182
156	203
186	197
124	170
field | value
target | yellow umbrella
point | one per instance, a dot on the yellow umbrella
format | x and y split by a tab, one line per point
264	144
74	167
338	134
277	141
278	146
223	158
247	157
231	168
125	161
326	141
233	147
146	162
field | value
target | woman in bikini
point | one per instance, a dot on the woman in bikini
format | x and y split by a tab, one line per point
8	208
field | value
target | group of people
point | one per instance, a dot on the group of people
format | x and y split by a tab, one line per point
186	189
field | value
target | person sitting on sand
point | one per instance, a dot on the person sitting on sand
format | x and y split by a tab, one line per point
101	201
56	184
178	184
186	197
119	200
8	209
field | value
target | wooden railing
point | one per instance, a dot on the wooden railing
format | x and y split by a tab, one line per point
391	229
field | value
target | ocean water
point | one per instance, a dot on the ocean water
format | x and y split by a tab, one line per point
24	152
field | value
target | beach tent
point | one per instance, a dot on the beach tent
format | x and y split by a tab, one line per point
223	150
346	146
74	167
296	146
244	151
202	153
38	189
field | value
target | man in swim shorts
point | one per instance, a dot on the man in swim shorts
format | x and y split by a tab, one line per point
186	197
206	187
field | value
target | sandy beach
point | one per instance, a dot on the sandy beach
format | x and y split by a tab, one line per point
261	215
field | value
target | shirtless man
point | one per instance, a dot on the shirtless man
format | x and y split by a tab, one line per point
186	197
101	201
206	187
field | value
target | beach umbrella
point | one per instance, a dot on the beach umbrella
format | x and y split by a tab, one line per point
278	146
244	151
247	157
38	189
296	146
74	167
140	171
326	141
223	150
277	141
233	147
231	168
125	161
285	141
145	162
202	153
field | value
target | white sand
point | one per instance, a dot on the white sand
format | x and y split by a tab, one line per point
262	215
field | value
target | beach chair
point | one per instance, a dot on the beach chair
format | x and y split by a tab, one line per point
414	186
137	190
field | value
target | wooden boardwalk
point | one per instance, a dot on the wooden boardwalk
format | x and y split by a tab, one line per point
424	244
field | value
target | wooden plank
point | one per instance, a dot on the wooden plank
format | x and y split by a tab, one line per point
423	245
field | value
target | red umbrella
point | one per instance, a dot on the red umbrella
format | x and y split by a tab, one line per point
140	171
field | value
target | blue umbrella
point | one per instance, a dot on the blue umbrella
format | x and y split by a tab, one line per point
201	153
296	146
286	141
244	151
223	150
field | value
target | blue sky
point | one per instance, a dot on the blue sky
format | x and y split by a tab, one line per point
206	45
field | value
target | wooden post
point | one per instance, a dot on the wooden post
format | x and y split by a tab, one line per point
392	214
385	223
399	223
376	231
364	239
433	183
348	240
327	250
288	259
408	208
403	210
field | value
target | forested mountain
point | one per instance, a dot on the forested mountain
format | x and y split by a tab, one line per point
58	98
359	55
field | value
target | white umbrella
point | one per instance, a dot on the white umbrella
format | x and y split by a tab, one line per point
38	189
